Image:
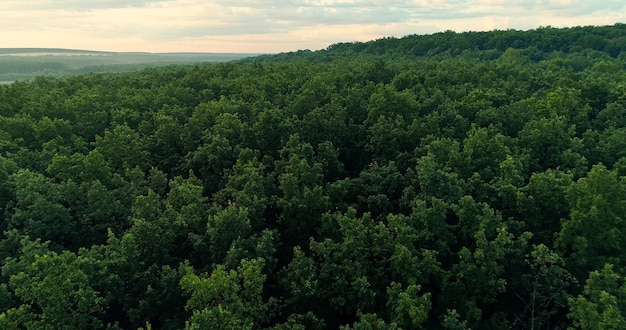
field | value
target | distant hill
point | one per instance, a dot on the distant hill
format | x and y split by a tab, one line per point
485	45
47	51
28	63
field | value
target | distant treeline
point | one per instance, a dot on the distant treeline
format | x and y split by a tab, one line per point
610	40
28	63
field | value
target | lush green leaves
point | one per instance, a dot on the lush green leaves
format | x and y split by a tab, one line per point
454	180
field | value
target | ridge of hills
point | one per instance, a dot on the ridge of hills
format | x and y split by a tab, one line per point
610	39
28	63
69	51
46	51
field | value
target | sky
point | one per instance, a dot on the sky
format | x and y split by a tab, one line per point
248	26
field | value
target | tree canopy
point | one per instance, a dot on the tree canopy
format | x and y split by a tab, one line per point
469	180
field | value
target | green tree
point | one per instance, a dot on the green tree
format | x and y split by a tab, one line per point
39	211
488	252
546	139
485	149
227	228
590	236
122	147
248	186
370	322
546	289
301	200
603	302
543	203
409	308
226	299
54	290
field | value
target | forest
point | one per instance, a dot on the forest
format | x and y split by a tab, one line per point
28	63
470	180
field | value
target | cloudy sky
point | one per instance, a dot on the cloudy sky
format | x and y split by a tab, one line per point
273	26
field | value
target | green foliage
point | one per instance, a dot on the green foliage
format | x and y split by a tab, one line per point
370	322
409	309
591	234
454	180
603	302
228	299
546	287
54	289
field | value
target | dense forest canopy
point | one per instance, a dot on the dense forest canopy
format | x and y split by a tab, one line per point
449	181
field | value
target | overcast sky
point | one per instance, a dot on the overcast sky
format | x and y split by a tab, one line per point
273	26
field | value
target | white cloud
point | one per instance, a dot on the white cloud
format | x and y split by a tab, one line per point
74	5
282	25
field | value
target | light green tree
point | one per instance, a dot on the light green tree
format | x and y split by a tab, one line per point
226	299
603	302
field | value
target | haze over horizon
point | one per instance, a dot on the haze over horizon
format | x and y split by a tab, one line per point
248	26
